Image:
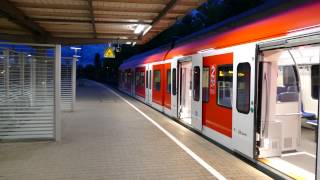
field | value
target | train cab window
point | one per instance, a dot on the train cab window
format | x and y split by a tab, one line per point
196	83
315	81
156	80
243	87
205	84
224	86
169	81
174	81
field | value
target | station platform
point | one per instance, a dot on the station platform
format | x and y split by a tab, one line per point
107	138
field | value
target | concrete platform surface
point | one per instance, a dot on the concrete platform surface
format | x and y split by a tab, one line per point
105	138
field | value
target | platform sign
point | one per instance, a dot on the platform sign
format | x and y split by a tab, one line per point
109	53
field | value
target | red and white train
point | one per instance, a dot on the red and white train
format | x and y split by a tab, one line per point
253	88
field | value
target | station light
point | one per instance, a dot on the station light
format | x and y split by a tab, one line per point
29	55
147	30
134	43
75	48
139	29
206	50
128	43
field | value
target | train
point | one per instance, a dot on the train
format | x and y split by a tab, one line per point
250	83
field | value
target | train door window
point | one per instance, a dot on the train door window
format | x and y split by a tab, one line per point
147	76
224	86
243	87
141	80
137	78
196	83
156	80
169	81
174	81
205	84
150	73
315	81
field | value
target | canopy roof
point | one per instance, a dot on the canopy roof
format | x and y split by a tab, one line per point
89	21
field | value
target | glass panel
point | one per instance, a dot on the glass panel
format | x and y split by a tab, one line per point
174	81
156	80
224	86
147	82
205	84
315	81
243	87
169	81
196	83
287	84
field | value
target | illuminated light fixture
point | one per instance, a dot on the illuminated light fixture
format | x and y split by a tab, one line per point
75	48
29	55
205	50
134	43
147	30
128	43
139	29
76	56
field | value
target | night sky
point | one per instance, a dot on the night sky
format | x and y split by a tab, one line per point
87	52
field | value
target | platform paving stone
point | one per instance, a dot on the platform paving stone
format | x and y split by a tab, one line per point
104	138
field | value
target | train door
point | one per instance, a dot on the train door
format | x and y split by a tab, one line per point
185	90
196	101
148	84
287	123
243	99
174	99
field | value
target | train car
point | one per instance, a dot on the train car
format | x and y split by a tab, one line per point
253	88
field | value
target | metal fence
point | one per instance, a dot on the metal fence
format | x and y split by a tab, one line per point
68	78
29	85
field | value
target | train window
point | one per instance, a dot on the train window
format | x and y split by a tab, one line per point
315	81
174	81
140	79
169	81
147	76
243	87
224	86
150	76
287	84
196	83
156	80
205	84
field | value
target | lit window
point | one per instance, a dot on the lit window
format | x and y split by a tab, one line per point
224	86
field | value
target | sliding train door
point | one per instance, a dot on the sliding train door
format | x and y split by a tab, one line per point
174	88
190	91
185	89
148	84
196	103
243	99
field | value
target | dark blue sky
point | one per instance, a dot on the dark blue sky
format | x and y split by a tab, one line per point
87	52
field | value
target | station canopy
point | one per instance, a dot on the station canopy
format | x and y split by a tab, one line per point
89	21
